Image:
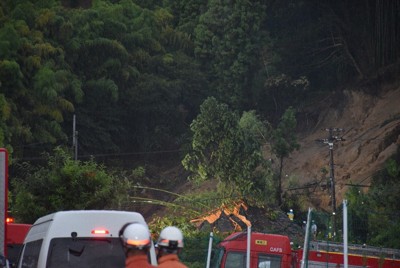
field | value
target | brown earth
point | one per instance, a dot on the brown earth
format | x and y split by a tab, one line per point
372	134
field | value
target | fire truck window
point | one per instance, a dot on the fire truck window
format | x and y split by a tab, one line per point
235	260
216	258
30	254
13	251
267	261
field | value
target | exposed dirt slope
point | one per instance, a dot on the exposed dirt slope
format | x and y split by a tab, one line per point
371	131
372	134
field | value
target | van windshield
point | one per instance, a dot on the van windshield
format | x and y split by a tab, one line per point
85	252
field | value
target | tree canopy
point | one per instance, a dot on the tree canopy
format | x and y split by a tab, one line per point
136	72
283	142
64	184
228	148
374	214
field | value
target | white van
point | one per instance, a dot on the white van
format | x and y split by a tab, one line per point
80	238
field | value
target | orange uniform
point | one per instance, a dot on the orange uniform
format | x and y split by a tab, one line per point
170	261
138	261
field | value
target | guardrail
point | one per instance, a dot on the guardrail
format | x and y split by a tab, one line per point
363	250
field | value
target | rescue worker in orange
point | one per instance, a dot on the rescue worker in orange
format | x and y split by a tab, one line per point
136	240
170	244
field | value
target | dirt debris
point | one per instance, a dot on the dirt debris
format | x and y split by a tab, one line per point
371	131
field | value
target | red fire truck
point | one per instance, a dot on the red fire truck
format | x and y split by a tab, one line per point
322	253
266	251
16	233
274	251
12	235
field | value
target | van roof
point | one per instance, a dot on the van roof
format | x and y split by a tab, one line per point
83	223
87	213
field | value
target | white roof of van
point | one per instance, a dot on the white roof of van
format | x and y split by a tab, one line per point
85	213
82	222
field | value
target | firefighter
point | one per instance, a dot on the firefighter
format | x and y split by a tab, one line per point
170	244
290	215
314	230
136	240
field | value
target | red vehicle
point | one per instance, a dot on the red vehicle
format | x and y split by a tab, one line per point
15	236
274	251
324	253
267	251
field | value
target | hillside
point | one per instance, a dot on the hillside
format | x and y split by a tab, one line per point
371	131
372	134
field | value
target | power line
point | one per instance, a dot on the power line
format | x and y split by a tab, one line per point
357	185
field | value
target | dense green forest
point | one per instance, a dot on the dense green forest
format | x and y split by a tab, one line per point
205	80
135	72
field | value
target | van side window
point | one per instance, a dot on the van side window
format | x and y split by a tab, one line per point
30	255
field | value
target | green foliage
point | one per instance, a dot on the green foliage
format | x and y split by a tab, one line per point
251	123
383	200
45	84
279	92
214	138
283	142
186	13
374	214
392	168
9	42
194	253
224	151
358	211
284	139
10	74
4	116
228	40
237	51
62	184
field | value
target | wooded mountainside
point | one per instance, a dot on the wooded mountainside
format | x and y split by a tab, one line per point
135	72
159	78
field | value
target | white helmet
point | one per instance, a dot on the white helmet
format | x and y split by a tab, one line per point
170	237
135	236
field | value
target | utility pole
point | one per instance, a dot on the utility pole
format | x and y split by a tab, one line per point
332	138
75	138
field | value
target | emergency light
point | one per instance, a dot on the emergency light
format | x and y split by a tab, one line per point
100	232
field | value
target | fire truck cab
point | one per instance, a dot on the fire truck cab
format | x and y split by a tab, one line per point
16	233
266	251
